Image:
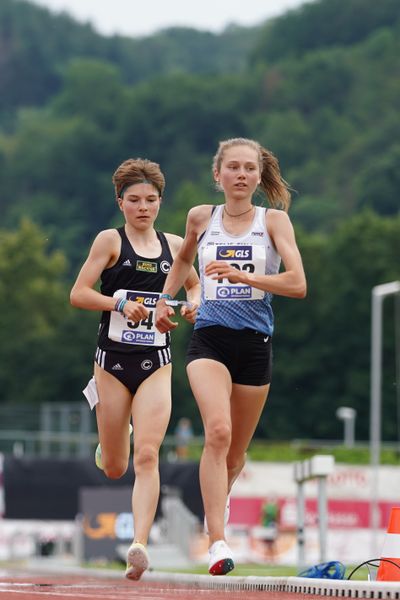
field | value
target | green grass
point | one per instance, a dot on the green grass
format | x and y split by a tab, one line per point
291	451
241	570
244	570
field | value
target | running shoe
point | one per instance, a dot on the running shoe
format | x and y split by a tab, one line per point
97	454
137	561
226	515
221	558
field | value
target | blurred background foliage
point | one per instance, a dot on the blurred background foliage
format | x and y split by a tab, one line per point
319	86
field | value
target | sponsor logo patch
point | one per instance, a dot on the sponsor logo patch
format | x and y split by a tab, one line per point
234	253
146	364
148	299
165	266
146	266
137	337
117	367
233	292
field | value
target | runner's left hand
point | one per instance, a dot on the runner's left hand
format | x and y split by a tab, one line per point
190	312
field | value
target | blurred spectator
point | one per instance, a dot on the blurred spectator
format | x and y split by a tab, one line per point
183	437
270	513
270	525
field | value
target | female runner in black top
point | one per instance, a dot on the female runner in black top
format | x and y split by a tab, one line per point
132	371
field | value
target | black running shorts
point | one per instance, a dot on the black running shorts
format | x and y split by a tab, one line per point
246	353
132	369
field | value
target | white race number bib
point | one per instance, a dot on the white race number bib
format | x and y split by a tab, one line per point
142	333
243	257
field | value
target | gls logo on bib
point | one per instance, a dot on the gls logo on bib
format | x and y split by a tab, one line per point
234	253
149	300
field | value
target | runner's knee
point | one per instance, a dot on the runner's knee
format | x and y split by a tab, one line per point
218	436
145	458
115	469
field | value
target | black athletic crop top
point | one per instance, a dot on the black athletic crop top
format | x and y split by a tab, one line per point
133	272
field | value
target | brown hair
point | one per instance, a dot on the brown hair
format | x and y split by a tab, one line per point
272	183
137	170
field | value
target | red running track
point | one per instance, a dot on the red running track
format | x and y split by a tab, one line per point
83	587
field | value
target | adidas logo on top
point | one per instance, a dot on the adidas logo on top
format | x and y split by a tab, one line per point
117	367
127	263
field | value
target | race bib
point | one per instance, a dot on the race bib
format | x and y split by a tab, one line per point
244	258
142	333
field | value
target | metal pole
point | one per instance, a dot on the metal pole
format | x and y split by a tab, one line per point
378	294
348	416
375	434
349	432
322	517
300	525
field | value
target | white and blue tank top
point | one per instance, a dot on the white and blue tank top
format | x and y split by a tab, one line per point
233	305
